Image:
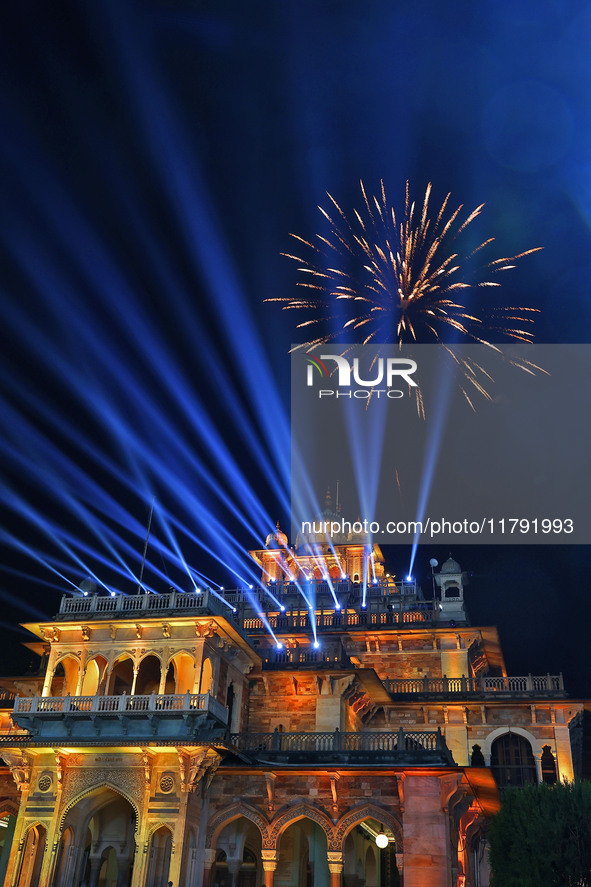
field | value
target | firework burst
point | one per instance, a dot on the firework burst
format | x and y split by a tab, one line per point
401	279
401	276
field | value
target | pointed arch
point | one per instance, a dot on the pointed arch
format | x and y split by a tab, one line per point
8	807
366	811
158	825
70	665
223	817
120	674
97	788
300	811
184	665
205	684
94	674
34	843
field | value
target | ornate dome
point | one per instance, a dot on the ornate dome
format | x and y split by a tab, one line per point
278	539
451	566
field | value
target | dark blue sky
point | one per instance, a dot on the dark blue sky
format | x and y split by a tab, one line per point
154	157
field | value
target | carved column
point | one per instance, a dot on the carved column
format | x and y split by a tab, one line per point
234	870
335	866
136	669
269	866
163	670
48	678
208	861
538	760
95	870
81	676
123	877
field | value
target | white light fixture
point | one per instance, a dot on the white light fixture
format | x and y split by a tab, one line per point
382	841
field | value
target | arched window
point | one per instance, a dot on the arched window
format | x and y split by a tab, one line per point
548	766
512	761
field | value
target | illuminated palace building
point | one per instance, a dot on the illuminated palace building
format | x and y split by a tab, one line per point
330	728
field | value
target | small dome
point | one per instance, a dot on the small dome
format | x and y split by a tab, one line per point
278	539
451	566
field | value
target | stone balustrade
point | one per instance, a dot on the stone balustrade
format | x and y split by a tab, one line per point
130	705
525	685
250	611
384	747
167	716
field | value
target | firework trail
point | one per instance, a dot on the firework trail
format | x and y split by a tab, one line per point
402	278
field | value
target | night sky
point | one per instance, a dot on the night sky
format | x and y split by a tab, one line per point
154	157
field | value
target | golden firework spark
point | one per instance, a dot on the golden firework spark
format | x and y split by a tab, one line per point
402	278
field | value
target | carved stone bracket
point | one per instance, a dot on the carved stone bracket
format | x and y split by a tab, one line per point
199	769
270	782
20	768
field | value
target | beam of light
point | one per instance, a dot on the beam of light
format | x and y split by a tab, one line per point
177	387
198	223
97	309
17	544
435	431
53	532
152	417
123	478
29	578
213	262
115	423
110	508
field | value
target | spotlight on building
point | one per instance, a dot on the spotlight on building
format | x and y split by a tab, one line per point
316	644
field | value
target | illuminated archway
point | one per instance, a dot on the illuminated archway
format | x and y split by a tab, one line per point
302	858
159	857
104	820
121	678
206	676
184	672
238	855
32	856
65	677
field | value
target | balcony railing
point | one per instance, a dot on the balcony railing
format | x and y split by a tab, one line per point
420	613
326	658
6	699
250	610
144	604
59	706
527	685
312	589
402	746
